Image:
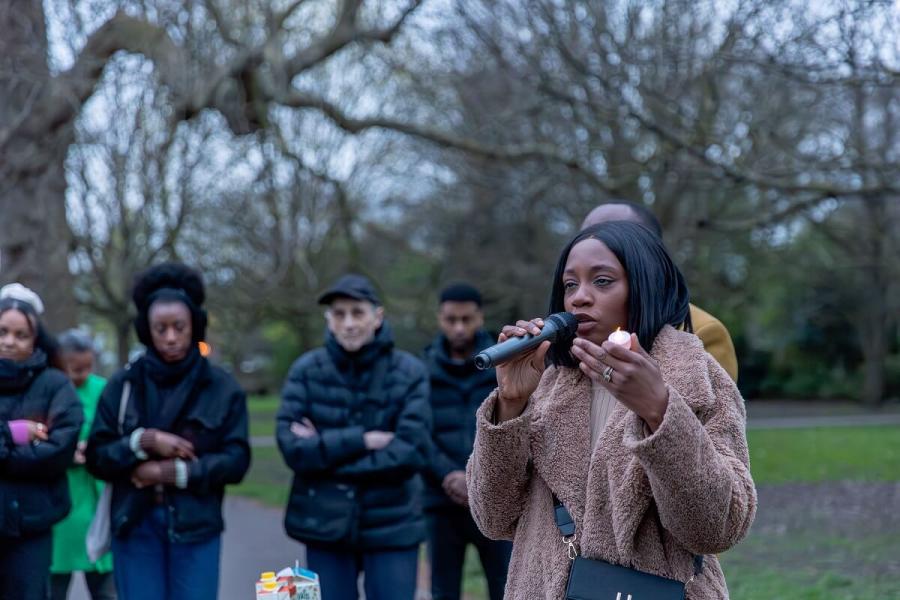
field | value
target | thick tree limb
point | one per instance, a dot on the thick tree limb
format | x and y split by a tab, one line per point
60	104
508	152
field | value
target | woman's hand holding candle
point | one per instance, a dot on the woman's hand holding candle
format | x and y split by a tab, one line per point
622	338
630	375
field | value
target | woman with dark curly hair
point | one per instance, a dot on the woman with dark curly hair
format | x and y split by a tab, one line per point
182	438
40	416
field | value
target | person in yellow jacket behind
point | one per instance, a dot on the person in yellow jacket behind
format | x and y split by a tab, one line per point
69	553
715	337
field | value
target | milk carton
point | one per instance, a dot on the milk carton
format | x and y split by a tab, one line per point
306	582
270	587
291	583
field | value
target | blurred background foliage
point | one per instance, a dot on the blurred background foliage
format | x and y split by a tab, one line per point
278	144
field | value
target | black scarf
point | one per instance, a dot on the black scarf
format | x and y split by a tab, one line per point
17	376
167	385
357	367
439	351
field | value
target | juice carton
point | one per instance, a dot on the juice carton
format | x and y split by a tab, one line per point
271	588
291	583
305	581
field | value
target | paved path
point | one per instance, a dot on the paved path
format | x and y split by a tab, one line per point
254	542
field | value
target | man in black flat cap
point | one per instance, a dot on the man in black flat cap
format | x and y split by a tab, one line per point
354	427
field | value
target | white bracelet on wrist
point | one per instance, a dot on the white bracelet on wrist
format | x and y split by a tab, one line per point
134	442
181	474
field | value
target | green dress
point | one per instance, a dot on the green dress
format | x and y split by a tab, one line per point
69	552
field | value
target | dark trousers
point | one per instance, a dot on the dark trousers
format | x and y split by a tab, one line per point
102	586
150	567
388	574
450	530
24	565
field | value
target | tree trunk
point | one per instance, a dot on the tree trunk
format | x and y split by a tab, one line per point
123	340
874	359
34	245
875	317
34	235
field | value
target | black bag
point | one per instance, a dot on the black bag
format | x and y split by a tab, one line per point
591	579
324	510
598	580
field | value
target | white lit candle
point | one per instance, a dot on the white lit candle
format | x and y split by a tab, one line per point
622	338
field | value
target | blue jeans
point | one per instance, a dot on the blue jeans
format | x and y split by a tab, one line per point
389	574
150	567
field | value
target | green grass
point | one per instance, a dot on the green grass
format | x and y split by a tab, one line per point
262	411
269	479
777	456
754	583
474	583
814	565
824	454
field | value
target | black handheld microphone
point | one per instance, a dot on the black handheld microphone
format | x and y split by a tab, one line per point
557	327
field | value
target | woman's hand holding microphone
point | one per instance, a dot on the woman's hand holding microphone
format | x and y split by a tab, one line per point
518	378
622	366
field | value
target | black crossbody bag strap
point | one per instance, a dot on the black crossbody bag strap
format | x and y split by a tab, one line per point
566	525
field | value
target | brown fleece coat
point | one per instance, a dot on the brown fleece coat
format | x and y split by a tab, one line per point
645	501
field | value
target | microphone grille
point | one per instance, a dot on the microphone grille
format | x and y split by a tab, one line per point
566	324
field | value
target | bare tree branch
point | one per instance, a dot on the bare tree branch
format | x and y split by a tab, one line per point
17	121
508	152
343	33
279	19
212	6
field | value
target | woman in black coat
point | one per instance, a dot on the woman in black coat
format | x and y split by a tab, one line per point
183	437
40	417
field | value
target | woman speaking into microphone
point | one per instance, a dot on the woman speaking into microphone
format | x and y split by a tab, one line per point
616	467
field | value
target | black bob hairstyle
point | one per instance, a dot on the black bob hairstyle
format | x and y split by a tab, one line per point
657	292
